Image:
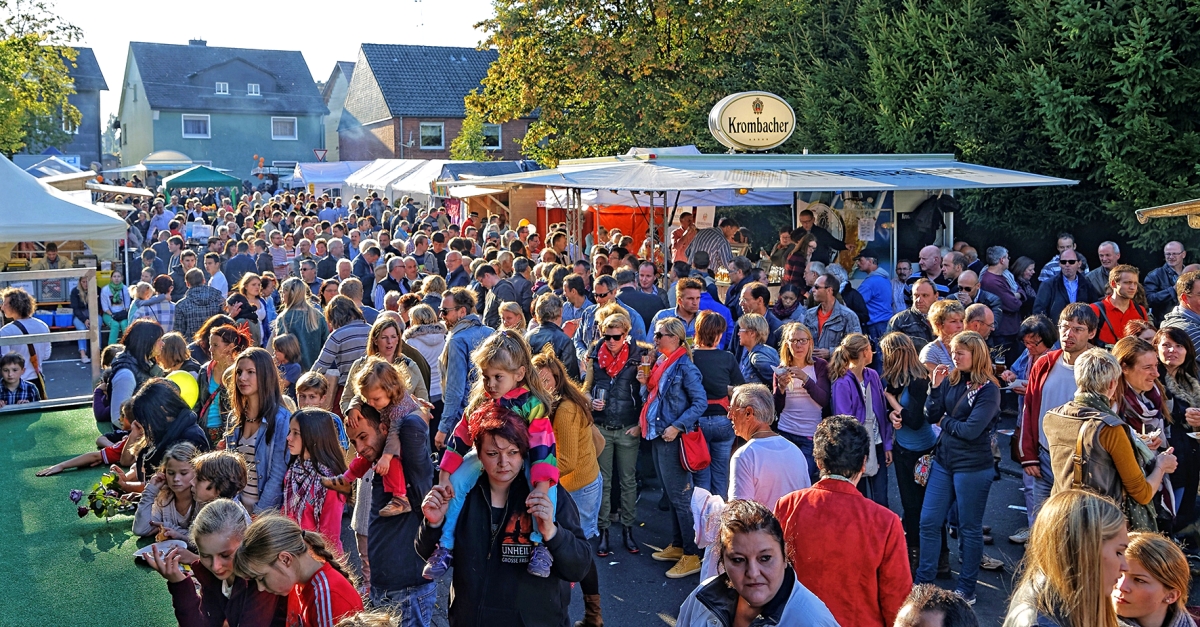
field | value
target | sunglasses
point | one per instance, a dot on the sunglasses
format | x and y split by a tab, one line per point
658	335
604	295
1068	262
962	288
613	338
444	311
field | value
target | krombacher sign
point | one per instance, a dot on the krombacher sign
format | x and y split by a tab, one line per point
752	121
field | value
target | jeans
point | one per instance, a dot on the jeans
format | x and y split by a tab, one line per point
718	433
806	446
970	490
1042	485
414	604
587	500
116	329
876	488
80	326
912	494
677	484
463	480
620	454
1031	503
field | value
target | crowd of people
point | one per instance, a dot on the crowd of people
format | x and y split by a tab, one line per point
478	396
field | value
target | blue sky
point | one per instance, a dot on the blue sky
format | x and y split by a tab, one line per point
326	32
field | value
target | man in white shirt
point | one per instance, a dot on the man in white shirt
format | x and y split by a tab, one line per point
217	280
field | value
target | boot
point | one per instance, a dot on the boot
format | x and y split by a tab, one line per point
602	549
631	545
591	612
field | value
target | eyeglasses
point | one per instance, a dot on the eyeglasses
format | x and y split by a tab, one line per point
613	338
1068	262
444	311
799	340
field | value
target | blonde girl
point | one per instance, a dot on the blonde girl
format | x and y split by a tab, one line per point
511	317
381	386
946	318
168	513
175	355
1154	591
284	559
312	442
507	378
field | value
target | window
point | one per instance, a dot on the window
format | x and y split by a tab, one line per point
283	128
196	126
222	88
68	127
491	137
432	136
252	89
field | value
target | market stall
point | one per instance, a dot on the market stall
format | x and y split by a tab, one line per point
323	176
377	175
201	176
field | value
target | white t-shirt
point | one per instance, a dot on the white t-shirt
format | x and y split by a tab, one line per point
1058	390
220	283
801	414
33	326
765	469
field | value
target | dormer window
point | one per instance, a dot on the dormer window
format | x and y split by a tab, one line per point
222	88
252	89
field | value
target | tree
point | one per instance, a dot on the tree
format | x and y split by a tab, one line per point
468	146
34	82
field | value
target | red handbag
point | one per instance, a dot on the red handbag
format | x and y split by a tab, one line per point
693	450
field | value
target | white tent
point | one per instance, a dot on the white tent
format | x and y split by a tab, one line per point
376	175
33	211
322	175
418	181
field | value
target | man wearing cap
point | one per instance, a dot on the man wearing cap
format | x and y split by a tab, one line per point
876	291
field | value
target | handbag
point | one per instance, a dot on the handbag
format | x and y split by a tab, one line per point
120	316
921	470
1141	517
693	450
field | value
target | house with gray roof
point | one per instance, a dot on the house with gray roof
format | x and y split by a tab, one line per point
220	106
83	147
407	102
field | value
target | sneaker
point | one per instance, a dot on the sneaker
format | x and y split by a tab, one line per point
670	554
398	505
991	563
437	564
969	599
1020	537
686	566
540	562
987	539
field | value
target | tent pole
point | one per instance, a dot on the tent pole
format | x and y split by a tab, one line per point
795	205
668	254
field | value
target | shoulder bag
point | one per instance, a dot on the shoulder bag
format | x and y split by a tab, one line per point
693	450
1140	517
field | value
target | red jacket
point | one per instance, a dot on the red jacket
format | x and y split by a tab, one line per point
1030	427
847	550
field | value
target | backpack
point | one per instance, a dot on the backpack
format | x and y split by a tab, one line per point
1105	323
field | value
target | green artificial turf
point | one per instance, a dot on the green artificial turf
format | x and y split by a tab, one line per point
55	568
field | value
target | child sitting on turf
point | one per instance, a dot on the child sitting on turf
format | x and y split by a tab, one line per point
380	385
121	453
219	475
312	443
287	353
312	391
168	513
15	391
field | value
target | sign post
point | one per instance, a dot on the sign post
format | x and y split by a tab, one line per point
320	153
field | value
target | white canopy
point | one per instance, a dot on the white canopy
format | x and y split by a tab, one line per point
33	211
324	175
742	174
417	182
376	175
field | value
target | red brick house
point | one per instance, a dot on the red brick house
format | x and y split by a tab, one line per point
406	102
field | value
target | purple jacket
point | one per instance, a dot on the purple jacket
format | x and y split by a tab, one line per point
848	400
1010	303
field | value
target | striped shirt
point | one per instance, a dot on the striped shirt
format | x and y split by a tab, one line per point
712	241
326	599
341	349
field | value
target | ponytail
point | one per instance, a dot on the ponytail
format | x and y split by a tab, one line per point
851	347
320	547
273	534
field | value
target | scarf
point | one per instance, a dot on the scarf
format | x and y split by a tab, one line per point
1098	402
652	385
783	313
610	363
1012	282
302	486
1142	410
1183	387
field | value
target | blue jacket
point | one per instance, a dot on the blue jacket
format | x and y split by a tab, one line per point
708	303
365	273
271	459
458	374
758	365
876	290
680	396
589	330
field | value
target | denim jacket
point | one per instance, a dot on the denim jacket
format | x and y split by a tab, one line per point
841	322
457	372
680	395
271	458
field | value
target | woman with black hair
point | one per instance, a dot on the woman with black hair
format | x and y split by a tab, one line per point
1177	371
258	428
166	421
134	366
225	343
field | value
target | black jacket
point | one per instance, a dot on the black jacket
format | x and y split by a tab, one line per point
184	428
855	302
562	345
486	590
327	267
647	305
914	324
623	403
394	565
502	292
965	443
1052	296
239	266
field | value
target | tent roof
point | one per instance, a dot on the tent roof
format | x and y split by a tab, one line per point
51	166
379	173
770	173
201	176
419	179
324	174
34	211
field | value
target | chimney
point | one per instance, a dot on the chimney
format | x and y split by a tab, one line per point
197	42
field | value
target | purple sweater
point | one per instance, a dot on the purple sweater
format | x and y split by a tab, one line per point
848	400
1010	303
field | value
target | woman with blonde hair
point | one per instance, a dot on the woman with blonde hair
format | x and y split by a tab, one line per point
511	317
946	317
1074	557
857	391
300	318
1154	591
759	359
802	390
965	401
